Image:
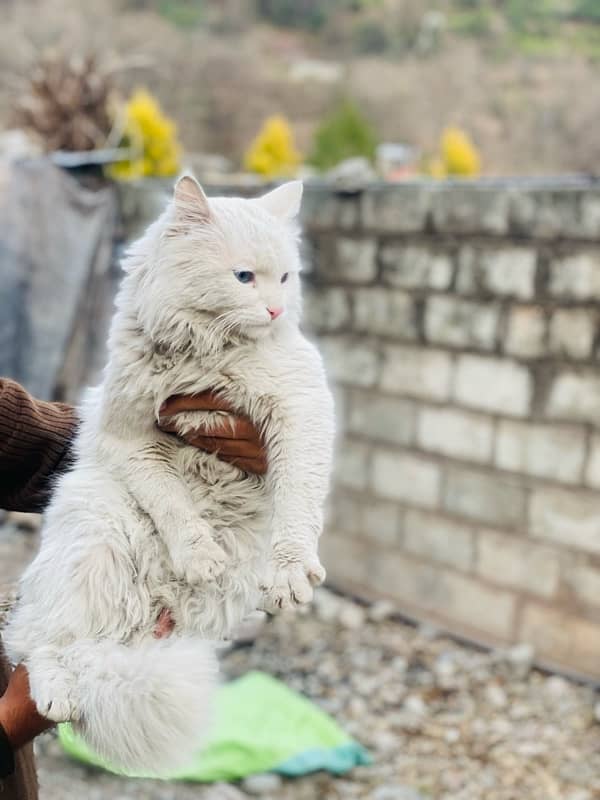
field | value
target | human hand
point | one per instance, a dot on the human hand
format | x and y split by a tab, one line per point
18	715
236	440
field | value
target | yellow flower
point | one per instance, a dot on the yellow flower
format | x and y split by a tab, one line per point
152	139
273	153
459	154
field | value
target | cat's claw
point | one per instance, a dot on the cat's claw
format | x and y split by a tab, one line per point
292	584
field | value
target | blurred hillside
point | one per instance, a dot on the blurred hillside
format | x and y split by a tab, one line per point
521	76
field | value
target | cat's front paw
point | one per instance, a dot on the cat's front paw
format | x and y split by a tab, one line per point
199	559
291	584
52	695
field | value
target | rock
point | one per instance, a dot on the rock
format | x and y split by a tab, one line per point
351	616
381	611
557	687
428	632
415	705
452	735
496	696
385	742
262	784
395	791
357	708
249	629
327	605
352	175
224	791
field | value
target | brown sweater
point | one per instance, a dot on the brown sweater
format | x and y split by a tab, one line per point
35	437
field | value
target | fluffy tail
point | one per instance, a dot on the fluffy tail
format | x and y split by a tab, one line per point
143	708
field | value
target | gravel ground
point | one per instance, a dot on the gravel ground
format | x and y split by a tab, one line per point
443	721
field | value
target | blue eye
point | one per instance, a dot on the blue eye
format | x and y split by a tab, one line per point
244	275
284	277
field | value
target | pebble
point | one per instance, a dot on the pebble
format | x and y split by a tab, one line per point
496	696
396	792
415	705
381	611
352	616
262	784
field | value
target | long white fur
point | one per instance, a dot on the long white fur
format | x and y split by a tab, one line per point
145	522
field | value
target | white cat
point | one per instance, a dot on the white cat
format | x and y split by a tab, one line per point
144	522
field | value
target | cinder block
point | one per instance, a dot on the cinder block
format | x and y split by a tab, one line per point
406	478
483	496
385	419
562	638
517	563
418	372
526	336
575	395
461	323
350	360
546	451
439	539
572	332
576	276
414	267
492	384
383	311
567	517
352	465
455	433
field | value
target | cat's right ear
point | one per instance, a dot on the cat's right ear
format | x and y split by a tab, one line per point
191	204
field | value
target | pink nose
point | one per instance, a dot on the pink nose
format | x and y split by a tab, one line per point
275	312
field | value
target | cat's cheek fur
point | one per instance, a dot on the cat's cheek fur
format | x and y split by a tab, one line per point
144	522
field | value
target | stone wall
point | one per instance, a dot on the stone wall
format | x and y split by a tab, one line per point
460	325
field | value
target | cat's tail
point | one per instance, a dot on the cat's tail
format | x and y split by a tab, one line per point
143	708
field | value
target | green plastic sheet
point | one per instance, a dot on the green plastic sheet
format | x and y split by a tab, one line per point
260	726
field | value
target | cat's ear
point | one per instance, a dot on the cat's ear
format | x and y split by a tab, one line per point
284	201
191	204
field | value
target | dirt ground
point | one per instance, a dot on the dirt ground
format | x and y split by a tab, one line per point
442	721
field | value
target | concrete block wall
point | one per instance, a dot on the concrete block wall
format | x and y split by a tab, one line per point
460	325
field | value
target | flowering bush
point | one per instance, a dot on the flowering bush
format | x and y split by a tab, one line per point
152	138
273	152
458	156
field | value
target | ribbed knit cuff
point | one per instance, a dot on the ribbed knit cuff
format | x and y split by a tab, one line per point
7	756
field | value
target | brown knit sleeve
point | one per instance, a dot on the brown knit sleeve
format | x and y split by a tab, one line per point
35	438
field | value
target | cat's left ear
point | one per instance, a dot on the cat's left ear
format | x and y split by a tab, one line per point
191	204
284	201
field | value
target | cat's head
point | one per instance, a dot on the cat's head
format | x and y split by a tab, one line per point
226	266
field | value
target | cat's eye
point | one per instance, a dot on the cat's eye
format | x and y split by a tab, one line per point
284	277
244	275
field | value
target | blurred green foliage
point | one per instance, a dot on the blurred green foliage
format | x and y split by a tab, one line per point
296	13
588	9
477	22
183	13
345	133
371	36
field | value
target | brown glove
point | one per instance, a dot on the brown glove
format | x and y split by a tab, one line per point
239	443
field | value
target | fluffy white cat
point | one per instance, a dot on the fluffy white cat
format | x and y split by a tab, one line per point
144	522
